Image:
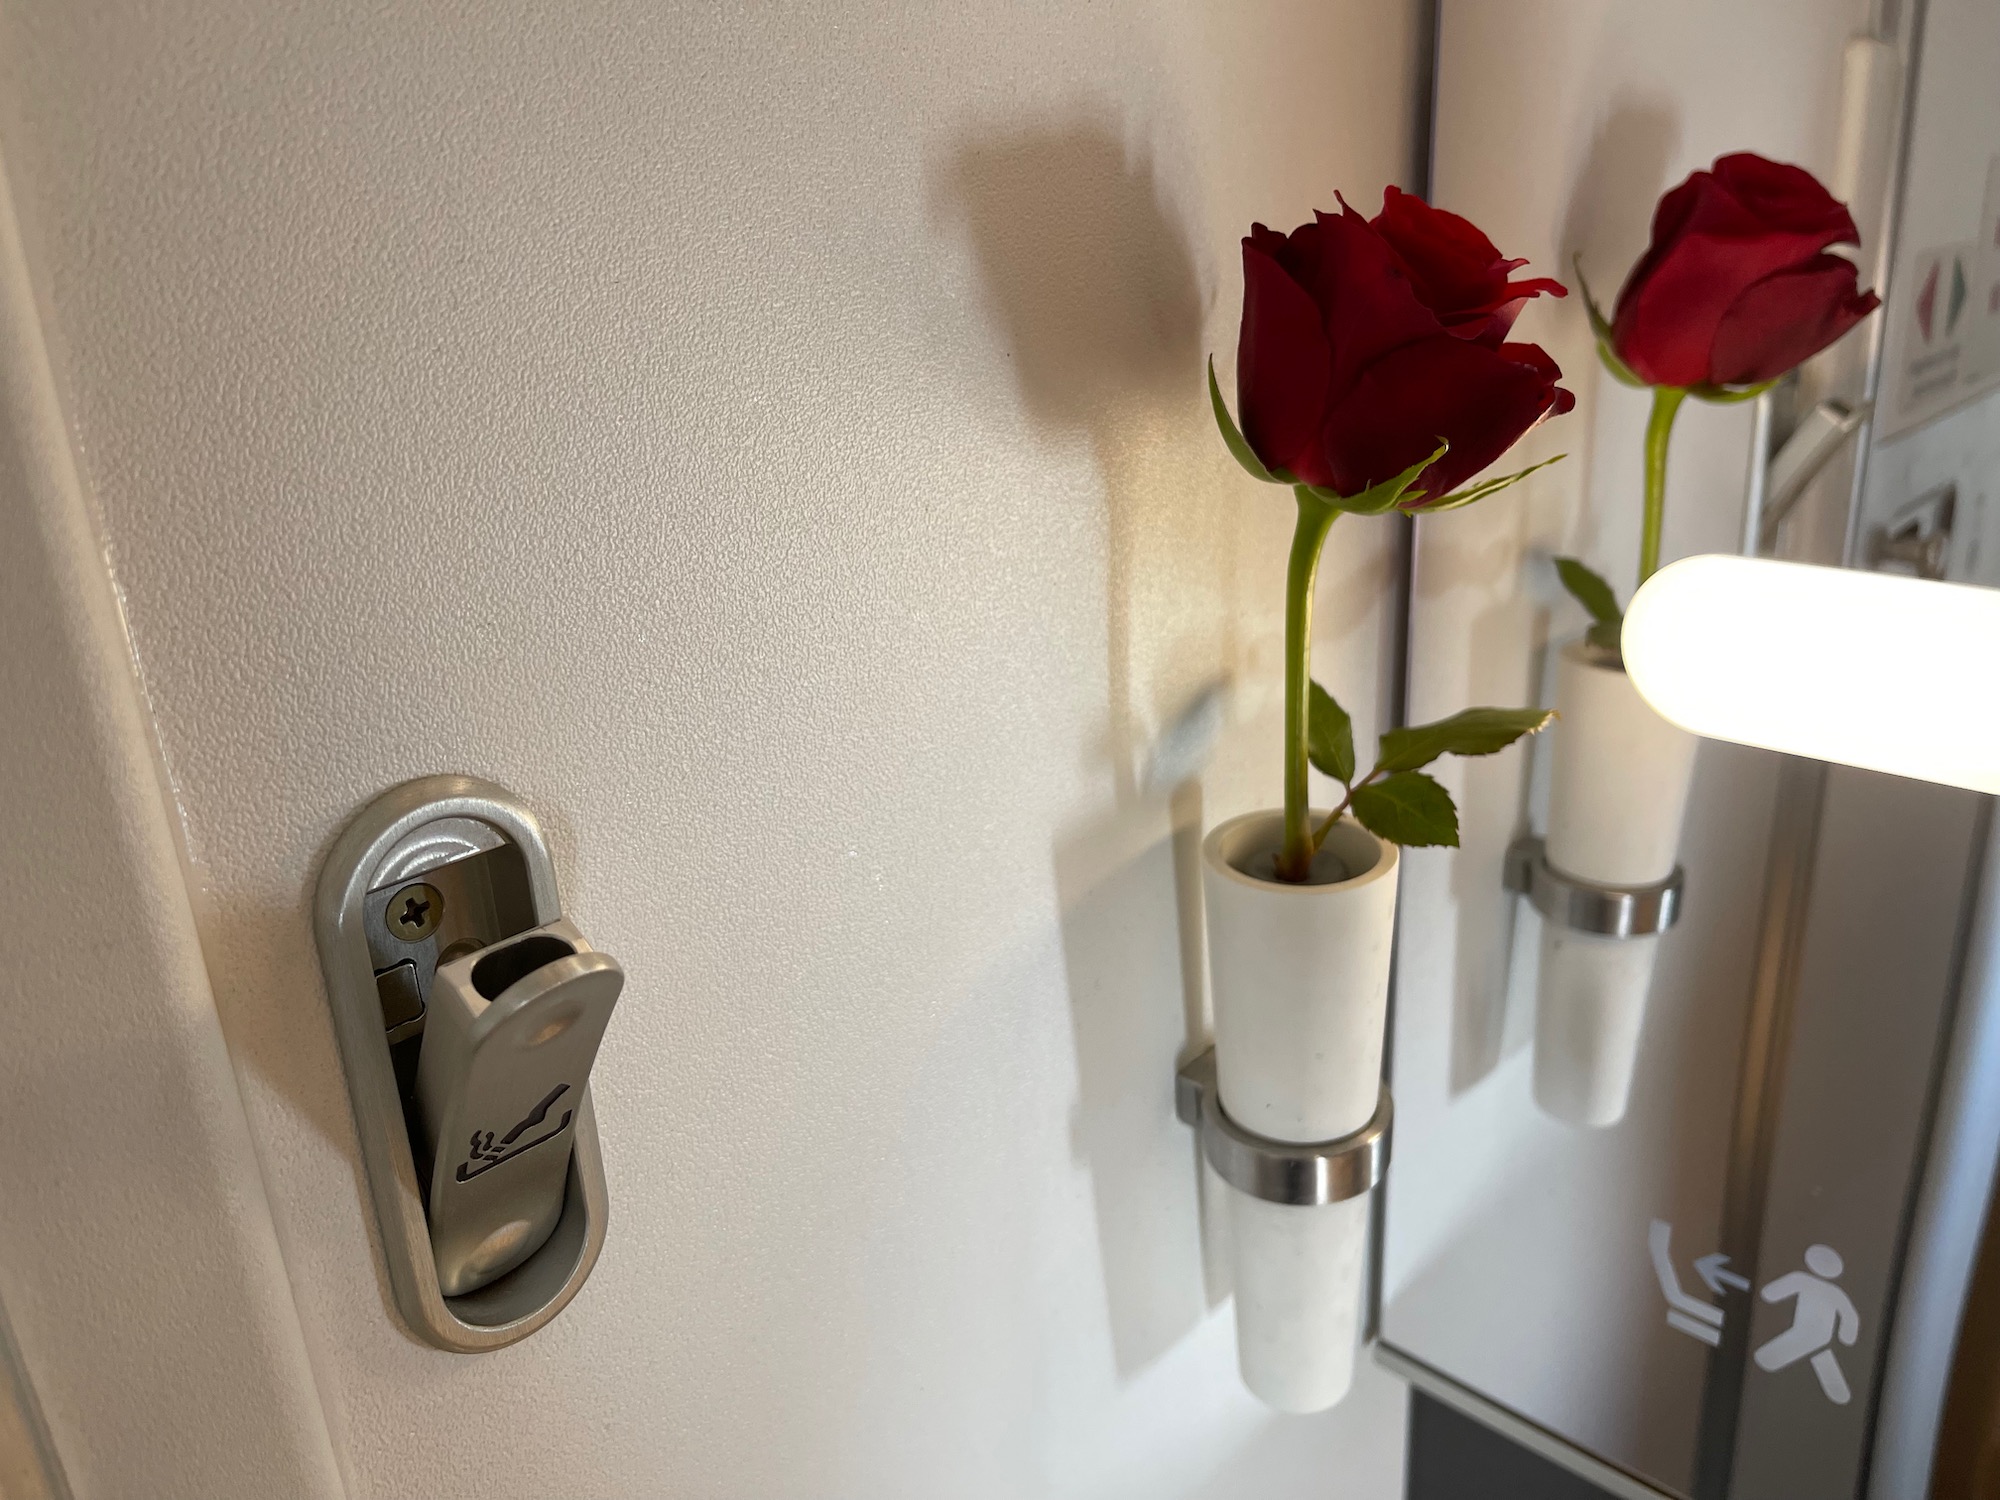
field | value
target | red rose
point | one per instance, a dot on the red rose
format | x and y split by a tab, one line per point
1736	287
1363	345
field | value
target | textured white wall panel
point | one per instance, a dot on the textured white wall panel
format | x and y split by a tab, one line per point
772	441
137	1259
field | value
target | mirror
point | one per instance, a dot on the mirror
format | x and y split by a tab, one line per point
1731	1285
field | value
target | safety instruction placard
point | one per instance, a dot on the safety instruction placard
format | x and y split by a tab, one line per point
1949	349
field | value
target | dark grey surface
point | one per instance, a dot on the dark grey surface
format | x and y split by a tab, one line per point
1452	1457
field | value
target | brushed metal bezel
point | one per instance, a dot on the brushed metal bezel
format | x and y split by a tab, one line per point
386	842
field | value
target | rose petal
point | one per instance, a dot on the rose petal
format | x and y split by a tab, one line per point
1282	366
1491	327
1782	321
1456	270
1670	216
1296	251
1451	263
1535	357
1479	400
1367	305
1783	196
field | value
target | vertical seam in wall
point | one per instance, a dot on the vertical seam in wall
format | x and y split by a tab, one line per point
21	282
1931	1139
1887	23
1423	154
38	1473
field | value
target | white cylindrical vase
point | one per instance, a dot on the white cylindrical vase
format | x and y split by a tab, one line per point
1617	794
1299	975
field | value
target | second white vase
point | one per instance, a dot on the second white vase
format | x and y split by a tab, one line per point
1618	792
1300	980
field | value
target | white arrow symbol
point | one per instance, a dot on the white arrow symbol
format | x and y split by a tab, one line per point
1709	1269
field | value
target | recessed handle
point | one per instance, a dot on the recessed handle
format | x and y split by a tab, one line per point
462	1002
510	1034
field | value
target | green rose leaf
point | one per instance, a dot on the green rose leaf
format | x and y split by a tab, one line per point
1408	808
1329	736
1460	498
1470	731
1595	595
1238	446
1590	590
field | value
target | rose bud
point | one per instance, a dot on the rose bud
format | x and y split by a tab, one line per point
1736	287
1362	351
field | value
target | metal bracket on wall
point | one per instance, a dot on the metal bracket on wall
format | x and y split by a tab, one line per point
1618	911
1306	1175
1918	535
437	908
1781	478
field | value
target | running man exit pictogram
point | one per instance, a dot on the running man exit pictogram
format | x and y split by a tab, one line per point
1821	1313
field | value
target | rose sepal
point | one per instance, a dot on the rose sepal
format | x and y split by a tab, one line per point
1729	395
1380	499
1239	447
1475	492
1600	326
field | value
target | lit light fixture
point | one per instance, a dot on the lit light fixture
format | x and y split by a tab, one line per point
1874	670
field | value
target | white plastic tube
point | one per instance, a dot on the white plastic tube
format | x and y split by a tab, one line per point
1300	980
1617	795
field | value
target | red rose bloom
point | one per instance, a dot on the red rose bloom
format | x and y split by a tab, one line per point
1736	287
1365	344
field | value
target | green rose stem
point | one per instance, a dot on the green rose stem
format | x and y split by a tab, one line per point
1667	401
1316	519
